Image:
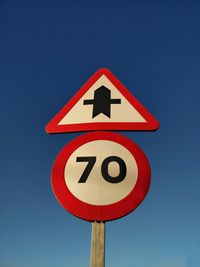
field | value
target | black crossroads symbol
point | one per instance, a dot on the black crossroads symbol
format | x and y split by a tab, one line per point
102	101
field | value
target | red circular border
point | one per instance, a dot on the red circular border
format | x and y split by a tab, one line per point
109	212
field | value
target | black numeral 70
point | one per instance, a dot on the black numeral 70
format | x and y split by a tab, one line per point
104	169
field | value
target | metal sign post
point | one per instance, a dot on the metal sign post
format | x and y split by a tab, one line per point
97	258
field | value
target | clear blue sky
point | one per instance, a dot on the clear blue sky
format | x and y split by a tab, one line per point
48	49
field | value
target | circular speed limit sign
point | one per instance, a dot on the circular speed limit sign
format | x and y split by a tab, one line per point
101	176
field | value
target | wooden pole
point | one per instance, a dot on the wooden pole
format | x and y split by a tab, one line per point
97	258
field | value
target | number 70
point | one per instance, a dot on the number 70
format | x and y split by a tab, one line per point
104	169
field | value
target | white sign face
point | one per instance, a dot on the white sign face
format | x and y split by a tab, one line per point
108	110
101	172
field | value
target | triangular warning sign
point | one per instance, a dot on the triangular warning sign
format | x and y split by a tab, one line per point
103	103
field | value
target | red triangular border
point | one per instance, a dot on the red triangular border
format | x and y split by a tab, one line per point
151	123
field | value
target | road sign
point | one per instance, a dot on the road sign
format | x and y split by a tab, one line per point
100	176
103	103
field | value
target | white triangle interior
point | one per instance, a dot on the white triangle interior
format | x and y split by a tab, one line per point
123	112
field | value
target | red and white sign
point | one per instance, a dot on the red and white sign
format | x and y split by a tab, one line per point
100	176
103	103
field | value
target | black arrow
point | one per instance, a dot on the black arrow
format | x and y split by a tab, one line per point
102	101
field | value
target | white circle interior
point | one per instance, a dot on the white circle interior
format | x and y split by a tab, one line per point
96	190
